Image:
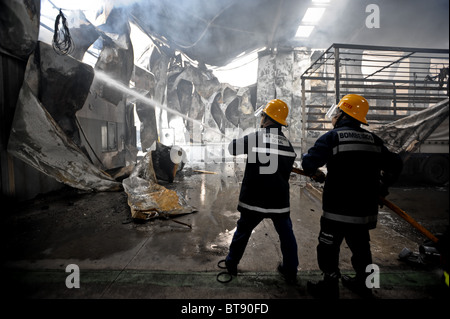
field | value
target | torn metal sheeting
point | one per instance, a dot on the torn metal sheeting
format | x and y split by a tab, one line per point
147	199
38	140
406	134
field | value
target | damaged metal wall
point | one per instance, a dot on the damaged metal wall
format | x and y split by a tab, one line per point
98	119
279	74
18	179
44	131
106	118
55	89
61	84
37	140
19	41
195	93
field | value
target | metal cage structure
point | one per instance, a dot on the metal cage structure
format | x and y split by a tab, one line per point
396	81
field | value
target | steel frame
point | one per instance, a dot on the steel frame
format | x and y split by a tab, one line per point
397	81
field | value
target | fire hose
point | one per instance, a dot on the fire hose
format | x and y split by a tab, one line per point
396	210
228	277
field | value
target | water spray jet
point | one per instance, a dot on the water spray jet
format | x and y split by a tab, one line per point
108	80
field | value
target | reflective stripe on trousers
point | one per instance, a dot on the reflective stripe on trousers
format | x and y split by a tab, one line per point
264	210
350	219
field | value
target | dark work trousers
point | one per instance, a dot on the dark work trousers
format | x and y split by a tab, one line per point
283	225
331	235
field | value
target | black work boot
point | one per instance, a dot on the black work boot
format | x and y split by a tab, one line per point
290	278
357	285
328	288
231	268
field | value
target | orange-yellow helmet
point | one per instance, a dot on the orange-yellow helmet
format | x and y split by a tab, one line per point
276	109
355	106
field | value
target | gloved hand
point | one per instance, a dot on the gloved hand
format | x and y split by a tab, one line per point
319	176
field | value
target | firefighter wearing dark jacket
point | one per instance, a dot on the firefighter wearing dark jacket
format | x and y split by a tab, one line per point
359	170
265	187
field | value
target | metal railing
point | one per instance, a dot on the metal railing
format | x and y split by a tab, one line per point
396	81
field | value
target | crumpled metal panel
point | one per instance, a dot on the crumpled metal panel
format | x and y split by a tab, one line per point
406	134
37	140
63	86
19	27
147	199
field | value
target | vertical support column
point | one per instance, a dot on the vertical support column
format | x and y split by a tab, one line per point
303	119
394	99
337	75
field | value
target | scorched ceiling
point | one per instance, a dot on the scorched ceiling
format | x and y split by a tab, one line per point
216	31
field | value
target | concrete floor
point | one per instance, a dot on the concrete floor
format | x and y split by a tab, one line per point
160	259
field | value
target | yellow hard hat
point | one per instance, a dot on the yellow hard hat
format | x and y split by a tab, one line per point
355	106
276	109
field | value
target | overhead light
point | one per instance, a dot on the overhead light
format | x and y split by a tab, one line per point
304	31
311	18
313	15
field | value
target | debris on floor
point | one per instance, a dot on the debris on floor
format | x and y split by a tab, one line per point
428	255
147	199
167	161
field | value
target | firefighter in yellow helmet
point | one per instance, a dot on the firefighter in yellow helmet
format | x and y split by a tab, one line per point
353	105
265	187
359	170
277	110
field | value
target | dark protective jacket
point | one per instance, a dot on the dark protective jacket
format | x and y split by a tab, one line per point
358	165
270	157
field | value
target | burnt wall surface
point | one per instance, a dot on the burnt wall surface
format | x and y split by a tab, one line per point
63	87
195	93
19	27
279	73
19	30
99	118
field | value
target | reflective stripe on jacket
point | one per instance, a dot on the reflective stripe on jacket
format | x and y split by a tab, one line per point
270	157
355	159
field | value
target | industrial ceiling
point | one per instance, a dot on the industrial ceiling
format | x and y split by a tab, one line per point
217	31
